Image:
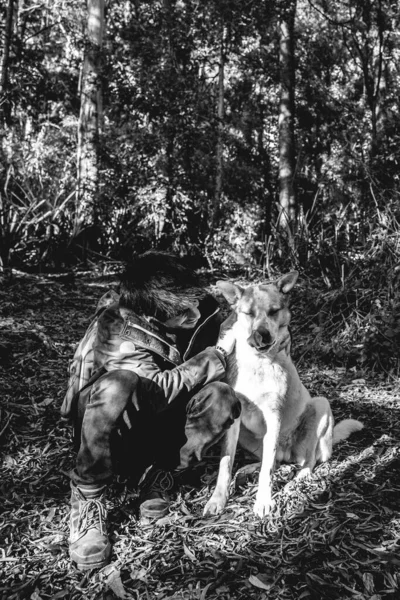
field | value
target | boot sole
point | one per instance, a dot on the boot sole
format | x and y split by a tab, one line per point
86	567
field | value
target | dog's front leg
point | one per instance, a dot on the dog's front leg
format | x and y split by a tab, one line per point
217	502
263	502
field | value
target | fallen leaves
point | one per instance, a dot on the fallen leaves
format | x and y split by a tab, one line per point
260	581
333	537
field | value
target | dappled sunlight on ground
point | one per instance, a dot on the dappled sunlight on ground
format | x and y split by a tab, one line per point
332	536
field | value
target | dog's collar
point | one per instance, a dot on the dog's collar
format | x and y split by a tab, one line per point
285	344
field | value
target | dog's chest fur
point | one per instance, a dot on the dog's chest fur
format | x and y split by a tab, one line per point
267	384
255	375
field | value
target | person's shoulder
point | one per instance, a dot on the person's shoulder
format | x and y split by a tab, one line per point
110	316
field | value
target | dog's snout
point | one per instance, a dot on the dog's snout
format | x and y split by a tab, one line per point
254	339
260	338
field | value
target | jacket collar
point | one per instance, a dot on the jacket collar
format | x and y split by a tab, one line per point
147	335
150	334
209	308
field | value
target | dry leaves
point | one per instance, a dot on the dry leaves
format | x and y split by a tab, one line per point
334	536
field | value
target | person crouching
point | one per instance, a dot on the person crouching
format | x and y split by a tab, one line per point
148	352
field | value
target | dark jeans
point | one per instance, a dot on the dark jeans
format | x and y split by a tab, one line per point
112	436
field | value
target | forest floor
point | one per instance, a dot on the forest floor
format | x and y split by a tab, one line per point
335	536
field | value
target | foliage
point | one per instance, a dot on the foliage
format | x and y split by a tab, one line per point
159	139
31	230
157	159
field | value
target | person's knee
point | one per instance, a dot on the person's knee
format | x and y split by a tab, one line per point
213	404
218	391
115	380
213	396
115	388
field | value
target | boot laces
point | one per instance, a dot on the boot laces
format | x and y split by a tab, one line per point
158	481
92	513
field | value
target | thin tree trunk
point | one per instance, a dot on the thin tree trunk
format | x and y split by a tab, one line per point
165	208
287	196
220	131
169	21
266	190
90	118
5	149
379	77
4	105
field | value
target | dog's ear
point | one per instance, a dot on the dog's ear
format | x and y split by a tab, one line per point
236	410
286	283
231	291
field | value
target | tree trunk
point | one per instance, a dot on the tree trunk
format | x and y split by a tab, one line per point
5	147
287	197
90	118
168	209
169	22
220	132
4	104
266	191
379	76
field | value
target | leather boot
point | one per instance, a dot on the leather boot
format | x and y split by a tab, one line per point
153	495
89	544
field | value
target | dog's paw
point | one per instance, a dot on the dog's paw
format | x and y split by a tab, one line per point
262	507
214	506
304	474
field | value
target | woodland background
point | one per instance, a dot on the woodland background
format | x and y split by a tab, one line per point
252	137
259	134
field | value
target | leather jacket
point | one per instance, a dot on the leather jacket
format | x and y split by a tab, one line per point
117	338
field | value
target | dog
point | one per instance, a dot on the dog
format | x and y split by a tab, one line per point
278	421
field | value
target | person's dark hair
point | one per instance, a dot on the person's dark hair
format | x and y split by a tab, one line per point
159	284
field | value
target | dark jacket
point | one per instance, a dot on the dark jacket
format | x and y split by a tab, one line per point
119	339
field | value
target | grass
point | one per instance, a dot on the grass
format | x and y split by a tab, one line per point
335	536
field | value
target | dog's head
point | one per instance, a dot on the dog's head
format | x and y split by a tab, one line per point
262	313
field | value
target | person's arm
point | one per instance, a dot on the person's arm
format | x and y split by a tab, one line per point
205	367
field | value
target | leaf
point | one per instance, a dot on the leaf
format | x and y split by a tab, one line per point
51	514
140	574
9	461
222	589
258	583
45	402
204	592
389	333
115	584
368	580
191	555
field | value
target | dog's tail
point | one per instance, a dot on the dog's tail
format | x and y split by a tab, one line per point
342	430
